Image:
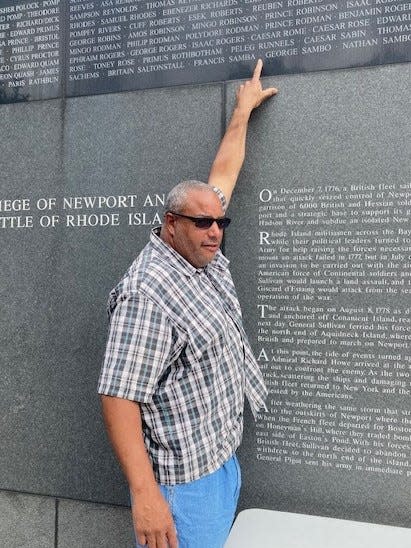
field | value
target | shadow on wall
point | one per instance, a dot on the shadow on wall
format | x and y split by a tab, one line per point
13	95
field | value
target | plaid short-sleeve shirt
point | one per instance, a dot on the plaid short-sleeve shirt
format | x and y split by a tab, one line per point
177	346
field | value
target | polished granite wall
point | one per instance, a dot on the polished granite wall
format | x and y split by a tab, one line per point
350	129
58	478
55	284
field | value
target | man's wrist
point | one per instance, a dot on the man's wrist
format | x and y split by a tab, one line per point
242	112
240	117
143	487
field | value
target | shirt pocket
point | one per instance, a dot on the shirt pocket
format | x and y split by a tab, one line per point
206	343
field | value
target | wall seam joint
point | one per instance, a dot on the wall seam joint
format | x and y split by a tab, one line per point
56	523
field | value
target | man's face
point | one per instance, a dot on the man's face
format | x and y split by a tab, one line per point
197	245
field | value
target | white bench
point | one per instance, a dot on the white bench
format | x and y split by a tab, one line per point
256	528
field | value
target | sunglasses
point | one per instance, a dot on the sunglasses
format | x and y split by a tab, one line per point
205	222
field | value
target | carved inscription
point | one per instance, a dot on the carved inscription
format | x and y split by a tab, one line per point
30	40
132	44
81	212
116	45
334	326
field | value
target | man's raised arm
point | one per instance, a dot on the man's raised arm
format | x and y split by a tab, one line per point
231	152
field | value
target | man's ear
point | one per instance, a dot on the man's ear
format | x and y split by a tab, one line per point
169	223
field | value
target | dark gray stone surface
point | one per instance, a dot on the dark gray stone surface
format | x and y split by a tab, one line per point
86	525
55	282
343	127
30	166
27	521
30	148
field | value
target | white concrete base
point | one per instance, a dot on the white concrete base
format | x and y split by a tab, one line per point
255	528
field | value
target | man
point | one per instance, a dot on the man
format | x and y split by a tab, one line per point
178	362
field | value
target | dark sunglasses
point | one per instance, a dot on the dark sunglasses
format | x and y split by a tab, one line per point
205	222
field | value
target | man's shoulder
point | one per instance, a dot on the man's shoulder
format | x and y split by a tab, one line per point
150	276
147	269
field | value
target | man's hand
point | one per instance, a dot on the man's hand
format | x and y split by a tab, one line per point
153	523
231	153
250	95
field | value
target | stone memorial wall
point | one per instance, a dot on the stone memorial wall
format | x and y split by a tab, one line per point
328	298
78	202
320	243
83	47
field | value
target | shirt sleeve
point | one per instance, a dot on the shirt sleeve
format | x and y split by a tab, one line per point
138	351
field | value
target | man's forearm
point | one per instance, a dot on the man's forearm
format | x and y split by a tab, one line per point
152	518
123	423
231	152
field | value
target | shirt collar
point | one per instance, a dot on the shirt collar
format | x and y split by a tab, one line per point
177	261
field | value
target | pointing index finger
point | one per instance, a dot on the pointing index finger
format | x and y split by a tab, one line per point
257	70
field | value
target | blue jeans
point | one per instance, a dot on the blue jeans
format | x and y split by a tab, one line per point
203	510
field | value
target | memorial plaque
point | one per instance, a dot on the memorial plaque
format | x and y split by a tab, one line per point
323	209
30	50
122	45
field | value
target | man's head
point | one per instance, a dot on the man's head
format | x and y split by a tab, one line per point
197	243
